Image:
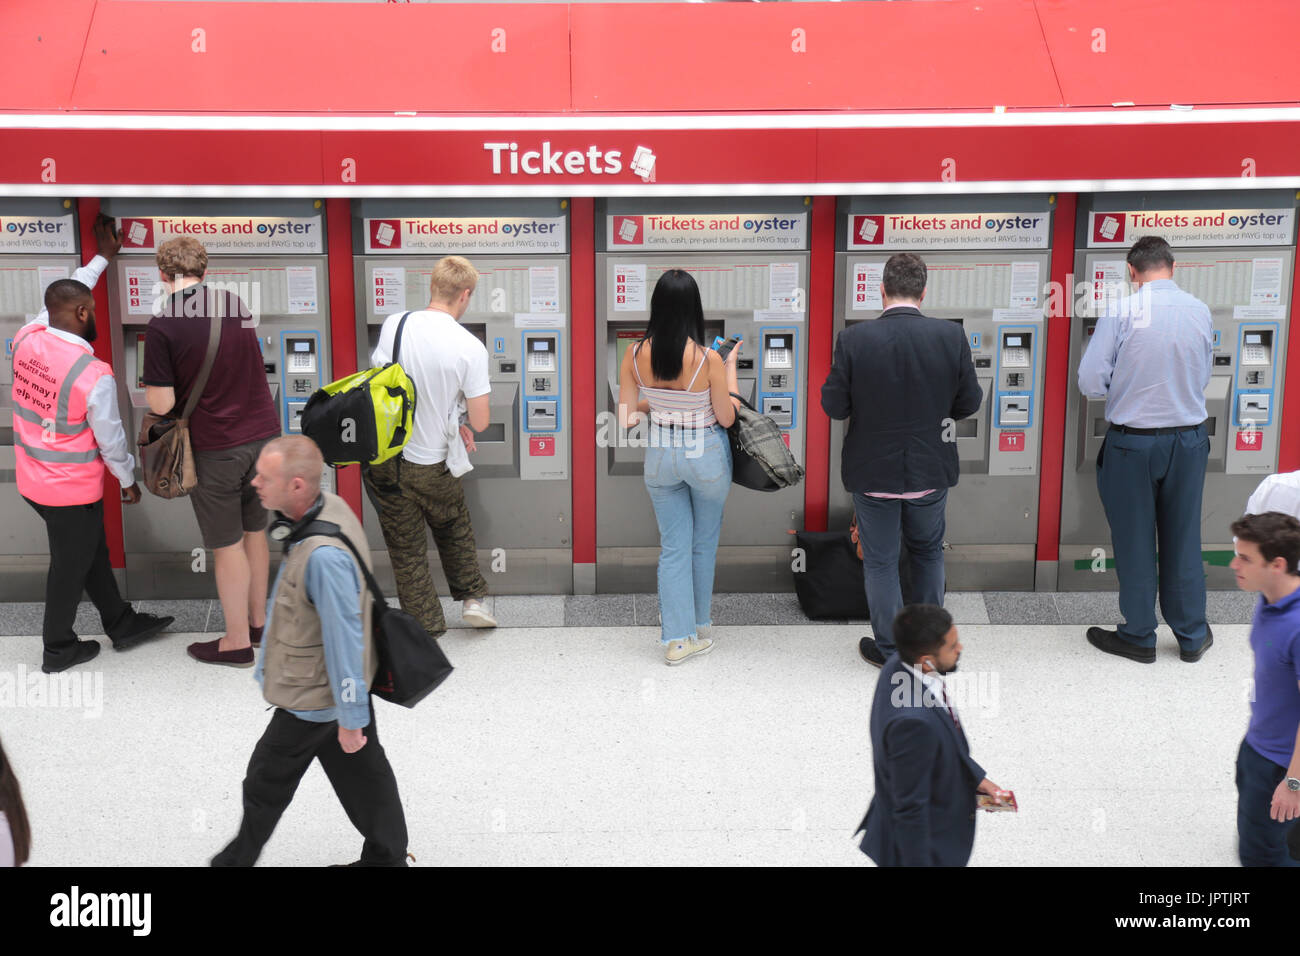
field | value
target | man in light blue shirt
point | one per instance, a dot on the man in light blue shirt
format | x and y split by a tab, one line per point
1150	358
316	666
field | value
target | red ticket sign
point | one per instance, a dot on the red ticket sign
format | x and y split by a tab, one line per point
1011	441
541	447
1250	439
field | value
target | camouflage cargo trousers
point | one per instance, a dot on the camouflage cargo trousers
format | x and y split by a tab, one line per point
407	496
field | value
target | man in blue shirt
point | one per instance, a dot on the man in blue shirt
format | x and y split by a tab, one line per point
1268	763
1150	358
316	666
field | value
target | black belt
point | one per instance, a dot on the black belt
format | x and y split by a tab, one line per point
1127	430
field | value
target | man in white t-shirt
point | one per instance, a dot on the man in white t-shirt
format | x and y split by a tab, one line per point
449	367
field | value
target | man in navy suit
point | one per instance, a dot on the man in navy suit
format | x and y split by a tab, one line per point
923	811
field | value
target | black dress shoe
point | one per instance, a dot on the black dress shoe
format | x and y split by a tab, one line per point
401	862
1191	657
870	652
143	627
82	651
1112	643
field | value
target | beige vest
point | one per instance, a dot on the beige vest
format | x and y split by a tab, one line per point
295	676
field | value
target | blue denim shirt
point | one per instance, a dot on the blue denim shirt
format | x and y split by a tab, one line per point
1150	358
332	586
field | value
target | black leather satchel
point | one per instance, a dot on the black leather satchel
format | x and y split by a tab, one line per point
411	664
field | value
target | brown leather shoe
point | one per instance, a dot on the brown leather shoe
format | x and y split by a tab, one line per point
209	652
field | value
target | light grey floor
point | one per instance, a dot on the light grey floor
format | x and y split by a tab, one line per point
576	745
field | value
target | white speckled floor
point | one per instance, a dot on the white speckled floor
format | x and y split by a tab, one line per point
578	746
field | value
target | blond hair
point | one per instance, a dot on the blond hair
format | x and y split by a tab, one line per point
301	458
182	256
451	276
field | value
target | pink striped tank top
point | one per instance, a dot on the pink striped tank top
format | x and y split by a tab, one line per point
676	406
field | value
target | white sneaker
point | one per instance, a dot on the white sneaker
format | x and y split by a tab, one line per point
678	651
475	615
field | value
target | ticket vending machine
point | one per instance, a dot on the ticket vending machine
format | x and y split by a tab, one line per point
988	260
750	260
271	255
1234	251
520	493
38	244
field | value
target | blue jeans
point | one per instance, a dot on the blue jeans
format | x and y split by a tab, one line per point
1151	488
688	475
921	522
1261	840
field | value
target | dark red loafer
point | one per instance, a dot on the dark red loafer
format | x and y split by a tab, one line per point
209	652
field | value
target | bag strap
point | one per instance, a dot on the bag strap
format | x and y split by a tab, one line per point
397	340
328	529
743	402
200	383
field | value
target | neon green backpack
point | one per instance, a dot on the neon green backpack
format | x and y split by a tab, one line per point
366	417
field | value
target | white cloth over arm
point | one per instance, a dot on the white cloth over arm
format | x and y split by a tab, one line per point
1277	493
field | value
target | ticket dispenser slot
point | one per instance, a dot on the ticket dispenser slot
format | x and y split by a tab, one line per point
777	377
1255	376
1015	378
541	382
301	377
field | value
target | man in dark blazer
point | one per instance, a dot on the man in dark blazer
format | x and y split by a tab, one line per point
923	811
903	381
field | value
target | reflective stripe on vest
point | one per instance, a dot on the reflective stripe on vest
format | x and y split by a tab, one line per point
45	454
56	457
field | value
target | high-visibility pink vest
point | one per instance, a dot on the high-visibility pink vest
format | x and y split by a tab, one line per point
55	454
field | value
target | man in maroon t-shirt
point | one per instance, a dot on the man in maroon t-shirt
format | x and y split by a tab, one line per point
234	418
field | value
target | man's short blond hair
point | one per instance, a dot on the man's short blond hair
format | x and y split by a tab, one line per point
452	276
182	256
301	458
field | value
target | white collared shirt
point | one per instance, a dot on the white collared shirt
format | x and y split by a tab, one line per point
937	687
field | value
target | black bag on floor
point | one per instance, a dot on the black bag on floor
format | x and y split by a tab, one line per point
831	584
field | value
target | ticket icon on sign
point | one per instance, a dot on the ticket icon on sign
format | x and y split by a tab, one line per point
384	234
643	163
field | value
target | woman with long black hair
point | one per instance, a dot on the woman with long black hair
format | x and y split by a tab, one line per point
15	835
687	394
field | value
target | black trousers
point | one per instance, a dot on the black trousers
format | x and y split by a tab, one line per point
78	562
363	782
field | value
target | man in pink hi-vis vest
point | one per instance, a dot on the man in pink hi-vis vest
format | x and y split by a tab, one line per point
67	431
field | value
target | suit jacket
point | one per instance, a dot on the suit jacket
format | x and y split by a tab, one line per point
897	379
923	810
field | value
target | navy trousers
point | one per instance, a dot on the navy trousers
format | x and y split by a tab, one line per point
921	522
1261	840
1151	487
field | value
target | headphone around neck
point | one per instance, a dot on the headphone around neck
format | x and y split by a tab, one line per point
287	530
